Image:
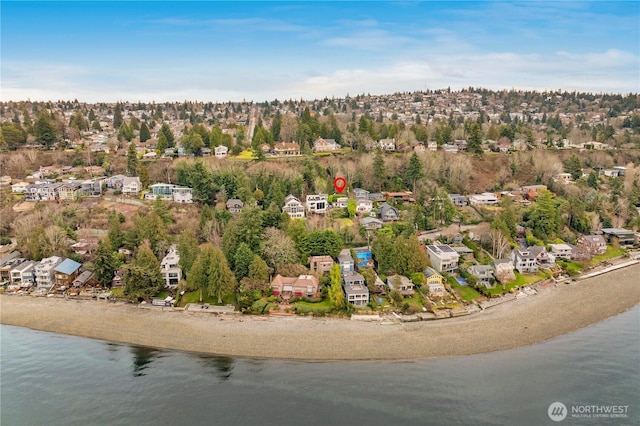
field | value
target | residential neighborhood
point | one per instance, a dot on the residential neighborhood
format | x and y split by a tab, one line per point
227	204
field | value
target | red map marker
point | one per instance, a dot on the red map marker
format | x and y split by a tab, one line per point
339	184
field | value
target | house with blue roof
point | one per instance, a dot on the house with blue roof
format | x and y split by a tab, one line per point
66	272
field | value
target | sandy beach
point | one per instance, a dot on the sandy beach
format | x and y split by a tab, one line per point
550	313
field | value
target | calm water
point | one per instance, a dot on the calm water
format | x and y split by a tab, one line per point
51	379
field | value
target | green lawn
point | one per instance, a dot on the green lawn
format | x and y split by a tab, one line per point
118	292
521	280
317	308
609	254
194	297
572	268
465	293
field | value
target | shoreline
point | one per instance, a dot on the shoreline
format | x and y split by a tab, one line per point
550	313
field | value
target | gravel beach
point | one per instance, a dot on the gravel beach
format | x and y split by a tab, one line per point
550	313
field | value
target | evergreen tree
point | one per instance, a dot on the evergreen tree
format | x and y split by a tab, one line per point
117	116
166	131
336	295
45	130
242	260
142	277
188	250
414	171
163	144
474	141
132	160
379	170
145	135
105	262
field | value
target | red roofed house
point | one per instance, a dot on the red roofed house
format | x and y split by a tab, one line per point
302	286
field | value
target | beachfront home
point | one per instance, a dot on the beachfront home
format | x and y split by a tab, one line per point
527	260
503	270
356	289
66	272
86	278
592	245
302	286
623	236
434	281
443	258
170	268
401	283
483	274
22	274
44	271
562	251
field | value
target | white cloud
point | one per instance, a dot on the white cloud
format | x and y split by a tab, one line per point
609	71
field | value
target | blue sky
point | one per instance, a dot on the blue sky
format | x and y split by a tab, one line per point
255	50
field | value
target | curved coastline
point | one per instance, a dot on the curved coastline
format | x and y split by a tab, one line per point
550	313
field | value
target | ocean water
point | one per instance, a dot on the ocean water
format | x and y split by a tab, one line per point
52	379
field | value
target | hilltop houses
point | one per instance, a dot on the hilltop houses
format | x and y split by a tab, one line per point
317	203
169	192
293	207
325	145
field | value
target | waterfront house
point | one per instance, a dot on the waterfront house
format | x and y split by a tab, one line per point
527	260
443	258
86	278
321	265
66	271
503	270
234	205
562	251
293	207
434	281
623	236
22	274
7	262
44	271
401	283
317	203
302	286
356	289
589	246
483	274
170	268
